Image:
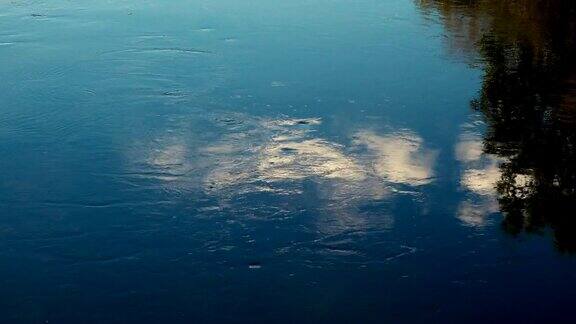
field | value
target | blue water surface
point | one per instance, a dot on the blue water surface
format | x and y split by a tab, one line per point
254	161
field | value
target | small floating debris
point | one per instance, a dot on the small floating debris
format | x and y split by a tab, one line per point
299	121
173	50
175	93
209	208
288	149
407	251
255	265
179	50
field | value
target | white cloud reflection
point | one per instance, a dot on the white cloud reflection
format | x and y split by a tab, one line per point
279	156
479	179
399	158
291	153
479	176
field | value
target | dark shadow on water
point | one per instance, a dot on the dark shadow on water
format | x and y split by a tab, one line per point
527	49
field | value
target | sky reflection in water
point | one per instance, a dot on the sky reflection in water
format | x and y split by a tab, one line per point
303	161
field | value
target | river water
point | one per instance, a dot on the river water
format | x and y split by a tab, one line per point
304	161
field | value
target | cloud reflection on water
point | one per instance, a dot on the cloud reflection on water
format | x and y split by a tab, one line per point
480	175
290	152
399	157
287	158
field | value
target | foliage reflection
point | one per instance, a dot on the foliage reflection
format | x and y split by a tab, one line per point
528	102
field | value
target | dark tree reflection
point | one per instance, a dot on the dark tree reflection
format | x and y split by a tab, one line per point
528	100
